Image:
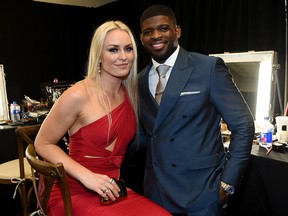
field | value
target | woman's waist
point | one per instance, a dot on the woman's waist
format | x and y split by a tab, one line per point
98	161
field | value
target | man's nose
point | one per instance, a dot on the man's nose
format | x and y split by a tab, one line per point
156	34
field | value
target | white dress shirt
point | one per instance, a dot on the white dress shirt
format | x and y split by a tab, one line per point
153	76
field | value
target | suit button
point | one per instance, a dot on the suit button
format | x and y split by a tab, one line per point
155	163
173	165
172	140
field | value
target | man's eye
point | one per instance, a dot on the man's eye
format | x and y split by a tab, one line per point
164	29
147	32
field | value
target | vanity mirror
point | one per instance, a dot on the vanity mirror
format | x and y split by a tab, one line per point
4	113
254	75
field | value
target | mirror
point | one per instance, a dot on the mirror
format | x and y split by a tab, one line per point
253	73
4	112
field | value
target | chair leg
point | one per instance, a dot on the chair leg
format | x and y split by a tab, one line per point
23	195
32	204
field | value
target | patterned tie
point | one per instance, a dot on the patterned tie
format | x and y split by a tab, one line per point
161	71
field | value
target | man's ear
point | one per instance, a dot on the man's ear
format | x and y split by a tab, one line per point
178	31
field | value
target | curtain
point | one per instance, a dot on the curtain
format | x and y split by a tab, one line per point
41	41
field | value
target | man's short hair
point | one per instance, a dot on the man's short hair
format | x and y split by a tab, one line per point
156	10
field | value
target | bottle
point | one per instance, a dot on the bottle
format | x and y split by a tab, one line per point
15	112
283	134
266	133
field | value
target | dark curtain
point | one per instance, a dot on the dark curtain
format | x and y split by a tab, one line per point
40	41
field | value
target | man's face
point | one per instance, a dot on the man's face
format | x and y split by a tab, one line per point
159	37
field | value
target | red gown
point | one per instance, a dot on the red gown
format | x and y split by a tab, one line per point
91	140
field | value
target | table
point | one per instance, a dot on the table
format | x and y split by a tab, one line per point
8	143
8	151
264	188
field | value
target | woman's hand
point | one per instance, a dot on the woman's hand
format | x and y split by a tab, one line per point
103	185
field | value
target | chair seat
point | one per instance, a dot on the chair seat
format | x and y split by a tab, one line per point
10	169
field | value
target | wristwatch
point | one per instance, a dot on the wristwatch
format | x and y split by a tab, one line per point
229	189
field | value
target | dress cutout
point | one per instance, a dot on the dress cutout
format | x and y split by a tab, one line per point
88	147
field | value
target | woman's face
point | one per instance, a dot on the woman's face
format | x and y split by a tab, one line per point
117	55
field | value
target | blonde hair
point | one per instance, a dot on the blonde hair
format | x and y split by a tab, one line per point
130	81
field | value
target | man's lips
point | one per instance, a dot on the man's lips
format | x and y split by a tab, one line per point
157	46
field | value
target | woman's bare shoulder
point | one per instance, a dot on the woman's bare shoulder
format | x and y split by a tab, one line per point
77	92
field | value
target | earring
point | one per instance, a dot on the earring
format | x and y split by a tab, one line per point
99	68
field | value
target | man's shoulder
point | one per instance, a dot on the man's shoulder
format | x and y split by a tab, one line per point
196	57
144	70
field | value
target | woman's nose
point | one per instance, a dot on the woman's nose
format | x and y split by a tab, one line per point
122	56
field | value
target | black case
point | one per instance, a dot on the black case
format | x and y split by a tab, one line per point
122	194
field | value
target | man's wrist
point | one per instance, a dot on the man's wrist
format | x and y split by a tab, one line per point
229	189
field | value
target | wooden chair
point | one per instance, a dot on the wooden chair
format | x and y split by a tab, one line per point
50	172
18	171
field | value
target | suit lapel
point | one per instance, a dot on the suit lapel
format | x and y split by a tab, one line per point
150	102
148	105
178	78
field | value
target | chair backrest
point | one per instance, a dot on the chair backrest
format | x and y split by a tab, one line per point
50	172
25	136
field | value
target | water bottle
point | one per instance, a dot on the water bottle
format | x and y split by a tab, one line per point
266	133
15	112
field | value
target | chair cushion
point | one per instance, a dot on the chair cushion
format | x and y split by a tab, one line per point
10	169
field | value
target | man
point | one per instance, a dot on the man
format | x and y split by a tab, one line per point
187	170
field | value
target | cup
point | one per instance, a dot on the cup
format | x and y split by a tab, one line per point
282	128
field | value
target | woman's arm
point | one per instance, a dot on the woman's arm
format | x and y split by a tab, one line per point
65	114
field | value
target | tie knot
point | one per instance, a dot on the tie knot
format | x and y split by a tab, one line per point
162	70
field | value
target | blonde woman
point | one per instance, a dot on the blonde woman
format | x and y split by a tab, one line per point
100	114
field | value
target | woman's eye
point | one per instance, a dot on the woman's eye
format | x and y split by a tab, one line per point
129	49
113	50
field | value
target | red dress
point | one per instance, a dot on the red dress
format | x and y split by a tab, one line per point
91	140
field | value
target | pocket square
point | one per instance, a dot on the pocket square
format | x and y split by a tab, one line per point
189	93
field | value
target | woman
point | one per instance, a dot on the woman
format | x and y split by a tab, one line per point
100	114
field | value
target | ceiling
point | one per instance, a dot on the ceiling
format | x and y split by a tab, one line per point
84	3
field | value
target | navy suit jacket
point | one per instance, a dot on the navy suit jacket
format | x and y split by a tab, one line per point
185	157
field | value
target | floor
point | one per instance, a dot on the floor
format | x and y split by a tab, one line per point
10	206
